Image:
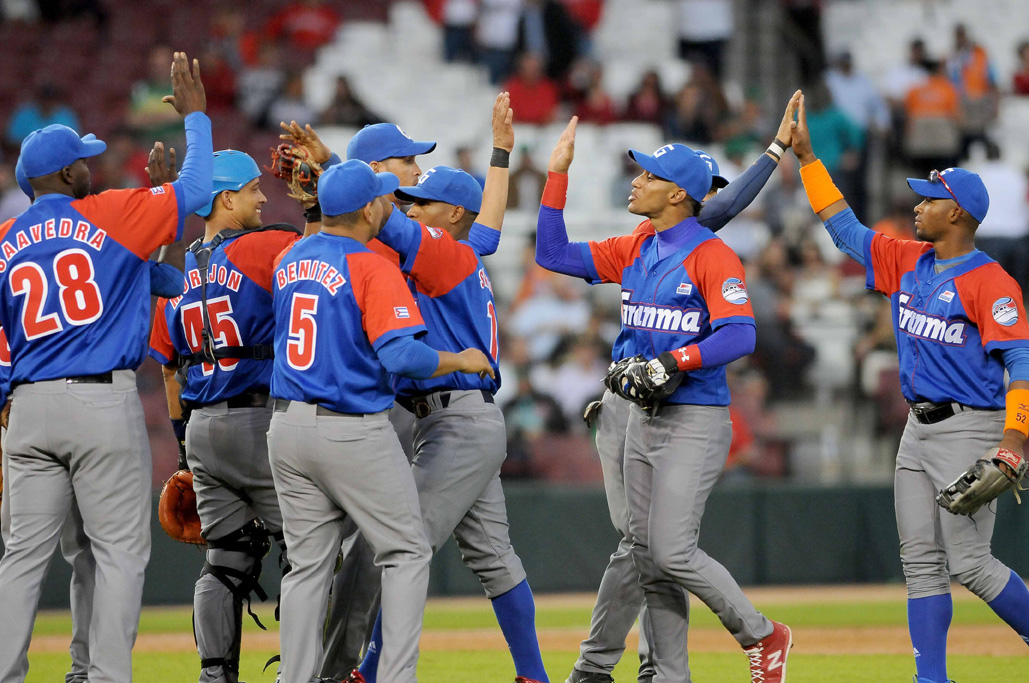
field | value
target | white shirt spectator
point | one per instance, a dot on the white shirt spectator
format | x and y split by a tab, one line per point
1009	200
498	24
460	12
858	99
901	79
703	20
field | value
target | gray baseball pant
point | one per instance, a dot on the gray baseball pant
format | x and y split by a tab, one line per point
81	445
75	548
672	460
227	451
328	467
619	598
934	544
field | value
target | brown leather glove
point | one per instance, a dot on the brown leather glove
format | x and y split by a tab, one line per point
178	509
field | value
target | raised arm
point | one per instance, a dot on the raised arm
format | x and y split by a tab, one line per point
553	250
193	187
484	235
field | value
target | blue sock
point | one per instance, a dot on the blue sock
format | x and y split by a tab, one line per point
928	622
516	614
370	664
1012	605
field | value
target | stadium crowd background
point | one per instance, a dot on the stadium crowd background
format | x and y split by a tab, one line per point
894	88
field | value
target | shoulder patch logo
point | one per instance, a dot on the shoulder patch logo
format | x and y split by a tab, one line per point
684	288
734	291
947	296
435	233
1005	312
157	190
401	312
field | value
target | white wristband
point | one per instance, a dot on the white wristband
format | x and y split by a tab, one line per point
776	150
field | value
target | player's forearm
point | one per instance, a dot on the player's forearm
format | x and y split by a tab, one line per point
737	195
1016	422
494	194
401	234
728	343
848	234
196	180
825	198
553	250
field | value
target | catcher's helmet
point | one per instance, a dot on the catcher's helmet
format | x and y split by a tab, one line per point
232	170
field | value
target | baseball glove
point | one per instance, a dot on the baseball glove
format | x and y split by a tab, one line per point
295	165
987	478
615	371
646	382
177	509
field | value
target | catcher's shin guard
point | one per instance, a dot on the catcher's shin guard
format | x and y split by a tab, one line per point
229	576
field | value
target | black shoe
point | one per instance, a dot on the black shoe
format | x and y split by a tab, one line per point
588	677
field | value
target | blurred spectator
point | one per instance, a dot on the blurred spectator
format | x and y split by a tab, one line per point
464	162
1020	81
229	37
534	97
705	27
758	450
621	185
346	109
972	72
746	126
497	34
305	24
546	30
526	183
12	200
549	315
219	80
901	78
290	104
648	102
53	11
802	33
530	416
459	18
1004	233
699	108
258	85
932	138
149	116
596	106
787	210
837	138
41	111
123	165
899	222
586	14
576	379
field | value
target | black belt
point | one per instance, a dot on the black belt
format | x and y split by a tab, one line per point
931	413
420	406
248	399
102	378
282	405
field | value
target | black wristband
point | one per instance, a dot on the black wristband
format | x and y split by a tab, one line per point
501	158
313	214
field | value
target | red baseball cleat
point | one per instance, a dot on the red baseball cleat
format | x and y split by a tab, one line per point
768	656
523	679
355	677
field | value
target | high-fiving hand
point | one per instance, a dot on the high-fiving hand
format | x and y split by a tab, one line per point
564	150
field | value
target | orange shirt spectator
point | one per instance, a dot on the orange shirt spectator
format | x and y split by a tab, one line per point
307	24
936	98
534	97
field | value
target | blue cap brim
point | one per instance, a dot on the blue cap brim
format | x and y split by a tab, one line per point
92	146
718	182
410	194
388	183
648	163
414	149
926	189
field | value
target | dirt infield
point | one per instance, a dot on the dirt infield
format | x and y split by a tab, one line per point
991	639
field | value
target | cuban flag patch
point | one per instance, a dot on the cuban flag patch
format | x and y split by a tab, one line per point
1005	312
947	296
401	312
684	288
734	291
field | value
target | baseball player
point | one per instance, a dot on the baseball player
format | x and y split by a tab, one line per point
219	332
960	323
460	440
684	303
344	320
619	598
73	301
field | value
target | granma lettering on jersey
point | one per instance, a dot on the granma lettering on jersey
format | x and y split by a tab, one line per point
82	231
658	318
934	328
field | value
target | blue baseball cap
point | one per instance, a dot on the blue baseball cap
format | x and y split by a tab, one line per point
717	180
232	170
678	164
448	185
968	190
23	180
385	141
348	186
50	149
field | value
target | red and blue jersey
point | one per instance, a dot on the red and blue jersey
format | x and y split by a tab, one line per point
951	326
454	296
675	301
239	308
336	304
74	280
5	368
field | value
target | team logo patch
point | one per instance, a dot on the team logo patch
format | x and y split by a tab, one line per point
436	233
1005	312
947	296
734	291
157	190
684	288
401	312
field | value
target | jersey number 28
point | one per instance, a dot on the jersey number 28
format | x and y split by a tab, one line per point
77	293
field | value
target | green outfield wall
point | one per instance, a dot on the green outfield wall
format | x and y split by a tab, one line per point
764	533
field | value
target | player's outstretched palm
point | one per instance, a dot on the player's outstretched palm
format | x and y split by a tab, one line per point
802	136
159	169
187	89
306	137
561	157
503	115
785	132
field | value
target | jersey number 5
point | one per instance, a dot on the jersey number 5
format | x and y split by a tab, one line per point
77	293
223	327
303	331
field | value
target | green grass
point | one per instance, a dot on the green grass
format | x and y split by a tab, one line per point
480	666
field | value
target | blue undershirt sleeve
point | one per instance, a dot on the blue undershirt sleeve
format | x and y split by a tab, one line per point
849	235
728	343
403	235
553	250
1017	362
196	179
737	195
484	240
408	357
332	161
166	280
